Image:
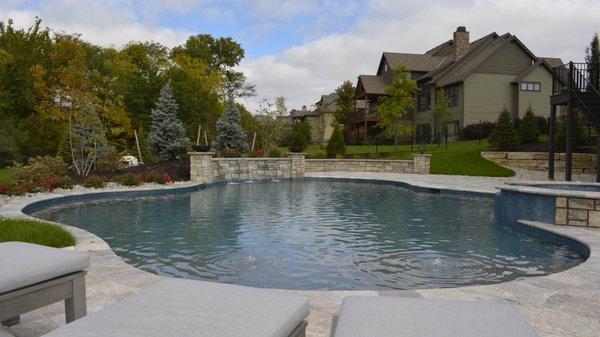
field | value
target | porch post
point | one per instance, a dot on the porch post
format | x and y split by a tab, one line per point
551	131
569	145
597	157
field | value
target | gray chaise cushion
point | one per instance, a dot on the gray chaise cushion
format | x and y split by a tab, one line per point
24	264
415	317
178	307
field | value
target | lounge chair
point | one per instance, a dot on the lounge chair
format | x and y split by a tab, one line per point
179	307
33	276
414	317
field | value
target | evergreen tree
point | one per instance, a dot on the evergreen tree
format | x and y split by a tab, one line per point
231	136
336	144
167	136
592	56
529	133
579	134
504	136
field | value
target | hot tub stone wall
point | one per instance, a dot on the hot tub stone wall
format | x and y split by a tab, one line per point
582	162
205	169
577	212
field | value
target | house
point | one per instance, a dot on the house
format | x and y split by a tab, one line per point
320	119
480	78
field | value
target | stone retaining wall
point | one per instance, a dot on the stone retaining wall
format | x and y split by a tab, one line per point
581	212
204	168
582	162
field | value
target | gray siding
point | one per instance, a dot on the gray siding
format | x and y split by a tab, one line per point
539	100
485	95
510	59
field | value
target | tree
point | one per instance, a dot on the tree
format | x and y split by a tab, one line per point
345	102
231	136
579	134
86	137
529	133
299	140
397	103
167	135
441	115
336	146
592	56
271	118
504	136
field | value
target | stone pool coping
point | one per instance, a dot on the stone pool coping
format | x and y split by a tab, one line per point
536	188
560	304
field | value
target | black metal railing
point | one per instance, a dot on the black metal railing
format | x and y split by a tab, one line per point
578	77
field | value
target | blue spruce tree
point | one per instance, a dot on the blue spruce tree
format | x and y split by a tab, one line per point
167	138
231	136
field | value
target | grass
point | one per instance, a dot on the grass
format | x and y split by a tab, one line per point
5	177
37	232
461	158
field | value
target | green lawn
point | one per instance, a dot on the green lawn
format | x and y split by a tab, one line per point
5	177
37	232
461	158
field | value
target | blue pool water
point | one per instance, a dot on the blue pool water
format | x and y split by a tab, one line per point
316	234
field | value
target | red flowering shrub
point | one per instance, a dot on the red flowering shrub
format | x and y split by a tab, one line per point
158	177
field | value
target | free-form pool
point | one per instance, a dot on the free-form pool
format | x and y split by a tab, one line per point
316	234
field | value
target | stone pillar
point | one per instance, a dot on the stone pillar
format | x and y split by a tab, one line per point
422	163
201	167
297	164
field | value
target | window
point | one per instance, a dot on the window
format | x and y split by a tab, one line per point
452	93
424	98
530	86
385	67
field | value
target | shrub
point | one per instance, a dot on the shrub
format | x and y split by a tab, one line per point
335	145
275	152
476	131
201	148
258	153
542	123
49	184
39	168
93	182
579	134
298	142
504	136
158	177
108	160
528	128
229	153
15	189
128	179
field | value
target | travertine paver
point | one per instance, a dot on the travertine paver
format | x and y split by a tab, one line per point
562	304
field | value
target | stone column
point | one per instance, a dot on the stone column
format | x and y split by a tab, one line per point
297	164
201	167
422	163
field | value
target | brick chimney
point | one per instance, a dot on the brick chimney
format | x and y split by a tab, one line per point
461	42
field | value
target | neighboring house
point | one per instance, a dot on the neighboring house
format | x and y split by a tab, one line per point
320	119
480	78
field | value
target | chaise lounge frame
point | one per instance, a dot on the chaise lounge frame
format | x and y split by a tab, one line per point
69	287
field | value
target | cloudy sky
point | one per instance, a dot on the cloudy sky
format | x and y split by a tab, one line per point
304	48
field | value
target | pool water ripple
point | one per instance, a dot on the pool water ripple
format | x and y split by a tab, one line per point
316	234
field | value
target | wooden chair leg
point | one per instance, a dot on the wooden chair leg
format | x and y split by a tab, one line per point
75	307
12	321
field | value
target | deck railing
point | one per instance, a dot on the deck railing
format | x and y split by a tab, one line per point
579	77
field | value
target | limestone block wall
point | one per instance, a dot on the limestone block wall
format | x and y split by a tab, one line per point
205	169
581	212
582	162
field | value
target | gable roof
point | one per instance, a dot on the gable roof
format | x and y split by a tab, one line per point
541	62
460	70
372	84
329	102
412	62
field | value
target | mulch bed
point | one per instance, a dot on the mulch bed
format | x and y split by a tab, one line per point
179	170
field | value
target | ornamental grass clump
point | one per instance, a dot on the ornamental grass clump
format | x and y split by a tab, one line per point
32	231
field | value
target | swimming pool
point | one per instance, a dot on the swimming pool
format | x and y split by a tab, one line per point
316	235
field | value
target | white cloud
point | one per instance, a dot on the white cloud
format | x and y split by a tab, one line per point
302	73
305	71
